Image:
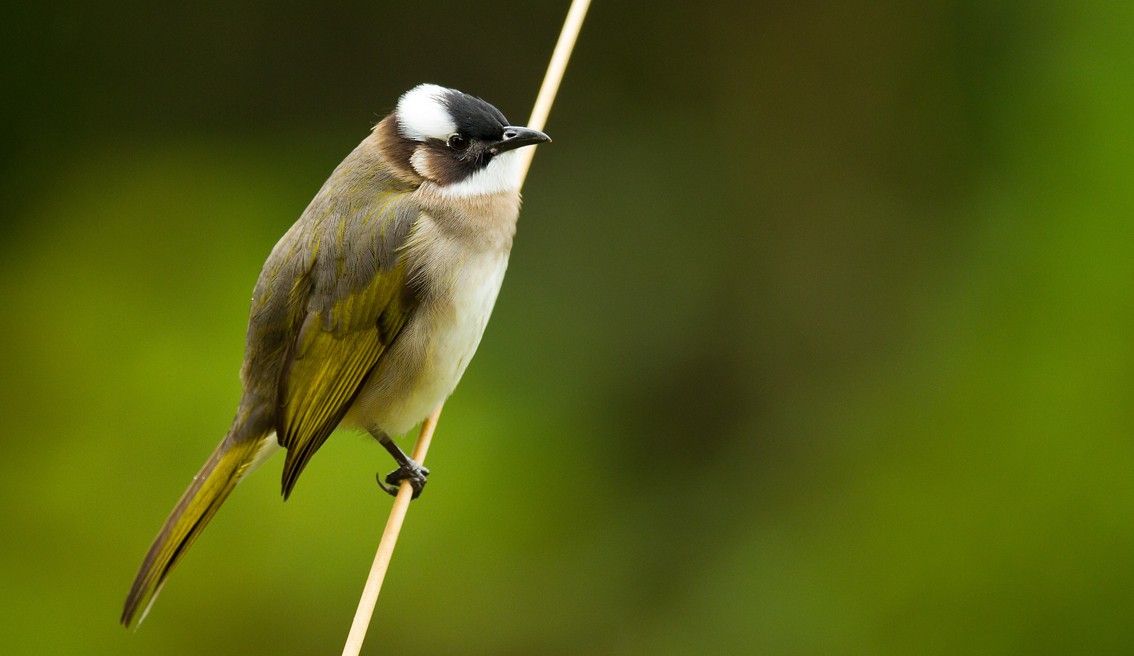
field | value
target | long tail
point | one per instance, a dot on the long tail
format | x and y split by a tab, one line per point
210	487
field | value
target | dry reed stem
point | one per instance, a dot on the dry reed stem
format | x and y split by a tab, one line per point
540	111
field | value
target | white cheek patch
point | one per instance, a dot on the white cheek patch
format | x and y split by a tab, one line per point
501	174
420	163
423	114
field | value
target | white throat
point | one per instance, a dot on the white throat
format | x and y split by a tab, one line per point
501	174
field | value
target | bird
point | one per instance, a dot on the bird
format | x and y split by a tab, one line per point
369	308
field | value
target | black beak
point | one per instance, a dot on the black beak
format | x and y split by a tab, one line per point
517	137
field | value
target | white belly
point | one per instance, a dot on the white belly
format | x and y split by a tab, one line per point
431	353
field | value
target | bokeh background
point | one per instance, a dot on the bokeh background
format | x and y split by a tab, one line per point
818	336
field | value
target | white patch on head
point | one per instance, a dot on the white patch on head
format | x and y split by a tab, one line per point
501	174
423	114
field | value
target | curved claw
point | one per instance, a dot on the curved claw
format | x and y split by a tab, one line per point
389	489
412	472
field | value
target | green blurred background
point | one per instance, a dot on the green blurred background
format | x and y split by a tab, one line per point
818	336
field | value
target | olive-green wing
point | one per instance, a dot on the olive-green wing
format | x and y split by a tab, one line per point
353	316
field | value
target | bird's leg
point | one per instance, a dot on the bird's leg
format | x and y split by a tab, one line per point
408	469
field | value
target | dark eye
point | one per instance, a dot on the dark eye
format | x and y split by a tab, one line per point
457	142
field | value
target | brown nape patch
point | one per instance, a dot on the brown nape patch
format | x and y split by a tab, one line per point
396	149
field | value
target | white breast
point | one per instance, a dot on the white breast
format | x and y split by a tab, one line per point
431	353
457	328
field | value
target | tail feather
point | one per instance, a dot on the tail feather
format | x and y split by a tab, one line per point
210	487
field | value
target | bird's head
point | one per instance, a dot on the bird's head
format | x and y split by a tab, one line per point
459	142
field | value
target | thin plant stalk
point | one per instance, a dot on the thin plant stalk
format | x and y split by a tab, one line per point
540	111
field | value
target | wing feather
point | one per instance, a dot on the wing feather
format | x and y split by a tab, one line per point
350	321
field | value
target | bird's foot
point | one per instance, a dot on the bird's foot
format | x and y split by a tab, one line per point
408	471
